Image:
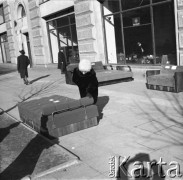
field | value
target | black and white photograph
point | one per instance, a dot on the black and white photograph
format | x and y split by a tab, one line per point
91	89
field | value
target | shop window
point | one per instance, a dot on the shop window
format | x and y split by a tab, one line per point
65	36
126	4
114	39
1	15
145	32
137	17
62	34
4	49
164	31
157	1
52	23
138	45
111	6
72	19
138	36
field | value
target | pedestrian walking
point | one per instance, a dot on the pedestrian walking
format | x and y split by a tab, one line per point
85	78
22	64
61	61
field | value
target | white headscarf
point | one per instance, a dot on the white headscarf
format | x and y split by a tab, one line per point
85	65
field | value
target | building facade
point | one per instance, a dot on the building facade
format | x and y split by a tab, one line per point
99	30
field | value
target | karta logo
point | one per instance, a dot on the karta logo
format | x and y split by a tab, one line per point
119	166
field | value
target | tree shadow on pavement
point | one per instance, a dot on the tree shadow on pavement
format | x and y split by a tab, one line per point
101	103
166	118
34	80
27	160
33	91
139	167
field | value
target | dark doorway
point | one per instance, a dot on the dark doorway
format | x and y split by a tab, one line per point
62	34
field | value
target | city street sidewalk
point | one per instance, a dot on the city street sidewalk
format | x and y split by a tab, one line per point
134	121
25	152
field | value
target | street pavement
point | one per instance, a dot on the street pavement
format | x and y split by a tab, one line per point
134	122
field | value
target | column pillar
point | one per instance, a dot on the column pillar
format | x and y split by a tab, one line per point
36	32
89	30
179	30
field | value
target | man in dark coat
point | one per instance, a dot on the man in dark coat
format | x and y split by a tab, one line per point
61	61
22	64
85	78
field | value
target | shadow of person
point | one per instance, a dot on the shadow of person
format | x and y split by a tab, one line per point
26	161
101	103
5	131
34	80
157	174
137	168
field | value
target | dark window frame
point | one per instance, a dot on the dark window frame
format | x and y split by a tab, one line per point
121	11
43	1
1	6
2	42
53	17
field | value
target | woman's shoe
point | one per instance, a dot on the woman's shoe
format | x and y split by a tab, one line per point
26	82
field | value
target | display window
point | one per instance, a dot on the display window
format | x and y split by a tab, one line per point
62	35
139	31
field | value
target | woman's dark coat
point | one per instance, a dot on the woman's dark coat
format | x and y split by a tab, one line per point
22	64
87	83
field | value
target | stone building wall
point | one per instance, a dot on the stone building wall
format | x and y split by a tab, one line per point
179	11
10	30
88	27
36	33
89	30
34	29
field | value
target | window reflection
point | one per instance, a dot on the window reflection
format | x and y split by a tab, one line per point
4	49
137	17
111	6
1	15
114	39
63	35
153	30
62	21
156	1
164	26
129	4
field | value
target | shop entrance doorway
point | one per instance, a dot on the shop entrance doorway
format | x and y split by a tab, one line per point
62	35
4	49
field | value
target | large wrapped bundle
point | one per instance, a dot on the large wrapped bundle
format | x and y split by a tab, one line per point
56	116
